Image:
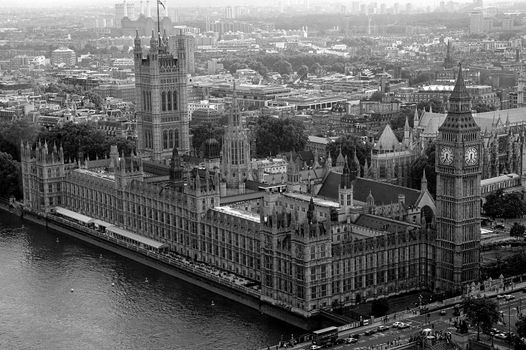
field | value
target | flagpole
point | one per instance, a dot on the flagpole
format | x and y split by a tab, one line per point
158	20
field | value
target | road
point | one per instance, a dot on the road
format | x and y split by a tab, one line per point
510	310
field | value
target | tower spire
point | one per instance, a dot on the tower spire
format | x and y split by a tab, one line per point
158	21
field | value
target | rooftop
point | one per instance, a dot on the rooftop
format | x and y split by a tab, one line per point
97	173
317	201
243	214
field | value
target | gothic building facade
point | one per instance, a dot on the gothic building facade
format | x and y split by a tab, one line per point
236	163
161	99
332	238
459	171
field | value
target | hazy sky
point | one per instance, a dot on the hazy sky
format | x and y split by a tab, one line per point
185	3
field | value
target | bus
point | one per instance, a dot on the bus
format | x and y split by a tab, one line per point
325	336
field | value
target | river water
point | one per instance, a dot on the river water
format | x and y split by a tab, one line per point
71	295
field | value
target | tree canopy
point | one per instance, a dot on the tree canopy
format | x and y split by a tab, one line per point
348	144
517	230
427	162
504	205
13	132
275	135
436	105
10	177
482	313
85	138
204	132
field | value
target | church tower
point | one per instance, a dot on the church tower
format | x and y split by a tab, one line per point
235	164
161	99
458	169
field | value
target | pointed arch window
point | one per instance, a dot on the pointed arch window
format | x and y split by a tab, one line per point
171	138
174	94
169	100
165	139
163	101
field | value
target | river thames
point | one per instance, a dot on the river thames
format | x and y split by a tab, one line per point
115	304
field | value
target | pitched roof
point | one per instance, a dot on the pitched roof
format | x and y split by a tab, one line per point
388	140
383	193
384	224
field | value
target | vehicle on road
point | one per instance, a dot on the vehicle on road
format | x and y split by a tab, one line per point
340	341
369	332
403	325
325	336
501	336
351	340
396	324
383	328
315	347
443	312
509	296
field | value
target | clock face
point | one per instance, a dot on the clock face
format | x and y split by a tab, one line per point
471	157
446	156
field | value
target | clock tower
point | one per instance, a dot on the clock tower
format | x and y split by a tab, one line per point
458	171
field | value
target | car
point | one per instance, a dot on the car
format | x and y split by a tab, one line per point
509	296
351	340
403	325
396	324
501	336
383	328
340	341
315	347
443	312
369	332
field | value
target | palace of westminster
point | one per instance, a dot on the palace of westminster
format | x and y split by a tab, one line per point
333	234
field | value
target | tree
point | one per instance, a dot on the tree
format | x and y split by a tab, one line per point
517	230
427	162
504	205
377	96
316	68
275	135
95	98
85	139
521	327
303	71
204	132
283	67
422	78
482	107
14	132
436	105
348	144
10	177
482	313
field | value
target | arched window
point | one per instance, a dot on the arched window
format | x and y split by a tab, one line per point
169	101
171	139
176	138
144	100
165	139
163	101
175	100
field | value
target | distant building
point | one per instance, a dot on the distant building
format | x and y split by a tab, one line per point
63	56
124	92
189	46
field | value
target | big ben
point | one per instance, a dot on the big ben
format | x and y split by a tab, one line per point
458	169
